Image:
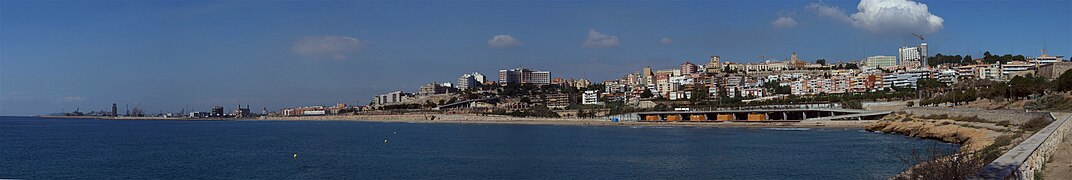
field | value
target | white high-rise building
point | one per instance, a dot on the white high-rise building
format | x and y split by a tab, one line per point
913	57
923	52
471	80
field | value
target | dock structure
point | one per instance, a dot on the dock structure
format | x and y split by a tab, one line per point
760	115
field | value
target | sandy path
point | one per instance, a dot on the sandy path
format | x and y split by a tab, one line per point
1061	165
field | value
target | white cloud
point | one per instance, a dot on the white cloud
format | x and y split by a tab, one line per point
885	16
503	41
72	99
338	47
896	16
829	12
784	22
666	40
600	40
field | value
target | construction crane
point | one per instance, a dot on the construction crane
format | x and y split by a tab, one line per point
918	36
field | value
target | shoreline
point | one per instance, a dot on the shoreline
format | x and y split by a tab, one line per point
495	119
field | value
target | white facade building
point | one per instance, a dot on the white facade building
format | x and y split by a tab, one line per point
524	76
391	98
903	79
913	57
590	97
471	80
881	61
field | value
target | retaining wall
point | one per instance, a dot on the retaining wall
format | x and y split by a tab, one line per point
1022	161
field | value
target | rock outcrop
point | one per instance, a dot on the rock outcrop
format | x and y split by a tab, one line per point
970	138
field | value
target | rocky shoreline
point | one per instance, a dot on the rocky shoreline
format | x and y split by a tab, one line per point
970	139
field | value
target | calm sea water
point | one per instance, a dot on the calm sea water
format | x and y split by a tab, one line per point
35	148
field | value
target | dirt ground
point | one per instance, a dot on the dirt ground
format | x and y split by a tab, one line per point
886	106
989	104
977	104
1061	165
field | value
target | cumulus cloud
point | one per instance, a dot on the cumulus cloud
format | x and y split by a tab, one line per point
885	16
666	40
784	22
600	40
503	41
338	47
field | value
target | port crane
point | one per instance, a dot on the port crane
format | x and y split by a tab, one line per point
918	36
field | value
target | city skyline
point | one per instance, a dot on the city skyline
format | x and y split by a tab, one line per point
163	55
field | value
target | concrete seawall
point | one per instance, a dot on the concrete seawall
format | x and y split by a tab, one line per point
1022	161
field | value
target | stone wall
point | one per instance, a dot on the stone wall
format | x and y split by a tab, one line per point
1054	70
994	116
1022	161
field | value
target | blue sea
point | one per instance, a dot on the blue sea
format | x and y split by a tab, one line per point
37	148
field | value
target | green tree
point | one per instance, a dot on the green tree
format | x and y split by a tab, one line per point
699	94
997	90
1064	82
776	88
934	60
1021	87
820	61
646	94
988	58
852	105
851	66
929	86
722	94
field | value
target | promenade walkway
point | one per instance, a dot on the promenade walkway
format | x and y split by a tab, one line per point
1061	165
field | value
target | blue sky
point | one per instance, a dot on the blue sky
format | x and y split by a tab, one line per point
166	56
